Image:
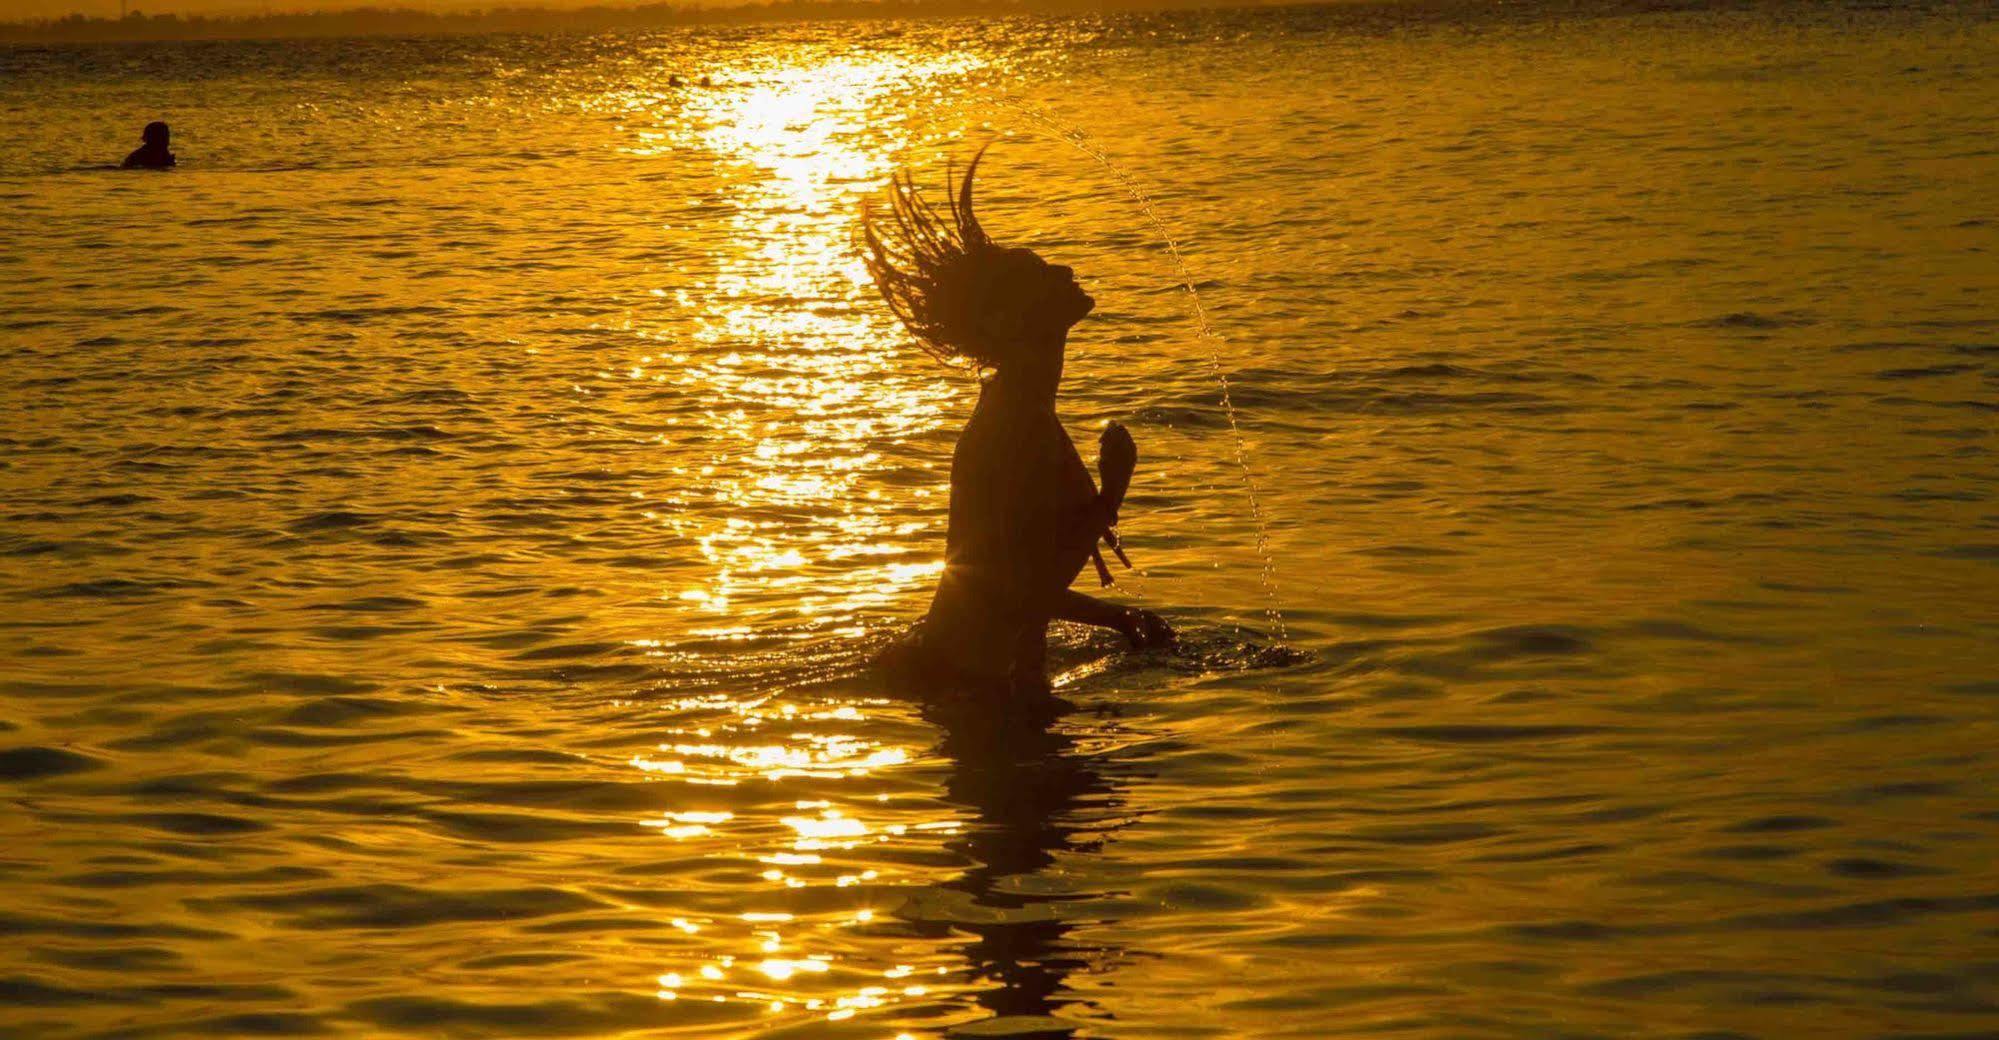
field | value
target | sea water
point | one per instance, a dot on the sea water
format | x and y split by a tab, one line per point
444	518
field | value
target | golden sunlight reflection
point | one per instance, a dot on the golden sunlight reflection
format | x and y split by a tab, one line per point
800	396
794	955
811	534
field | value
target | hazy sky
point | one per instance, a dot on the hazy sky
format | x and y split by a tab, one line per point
15	10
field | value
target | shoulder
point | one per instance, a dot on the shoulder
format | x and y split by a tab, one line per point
996	422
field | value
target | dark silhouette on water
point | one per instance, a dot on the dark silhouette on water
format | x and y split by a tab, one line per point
153	154
1035	797
1025	515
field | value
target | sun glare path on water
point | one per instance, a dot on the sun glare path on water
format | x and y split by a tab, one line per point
789	336
800	375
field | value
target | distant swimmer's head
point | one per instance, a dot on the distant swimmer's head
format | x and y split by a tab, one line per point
155	134
963	296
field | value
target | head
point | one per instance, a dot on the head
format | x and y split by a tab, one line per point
155	134
967	299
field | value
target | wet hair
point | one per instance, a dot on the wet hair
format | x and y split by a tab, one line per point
939	272
155	133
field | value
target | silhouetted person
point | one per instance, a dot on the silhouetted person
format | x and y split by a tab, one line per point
1025	515
153	154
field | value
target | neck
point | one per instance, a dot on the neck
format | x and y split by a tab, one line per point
1033	380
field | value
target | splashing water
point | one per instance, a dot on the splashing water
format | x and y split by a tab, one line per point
1273	609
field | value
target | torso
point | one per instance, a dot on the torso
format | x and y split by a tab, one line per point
1016	479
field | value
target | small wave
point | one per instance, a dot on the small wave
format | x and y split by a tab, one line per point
406	906
1490	734
121	588
1752	320
603	1013
332	520
1927	372
1781	824
194	824
41	763
1868	869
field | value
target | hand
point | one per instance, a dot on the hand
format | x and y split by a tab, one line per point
1145	630
1117	456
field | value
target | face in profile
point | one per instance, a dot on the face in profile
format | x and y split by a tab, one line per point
1046	295
966	298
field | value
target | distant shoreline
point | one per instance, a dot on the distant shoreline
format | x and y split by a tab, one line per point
382	21
391	21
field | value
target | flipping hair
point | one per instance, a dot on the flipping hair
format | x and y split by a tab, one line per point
931	267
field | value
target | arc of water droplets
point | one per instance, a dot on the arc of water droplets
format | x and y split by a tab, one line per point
1082	143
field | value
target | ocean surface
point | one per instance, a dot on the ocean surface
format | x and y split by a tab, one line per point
443	522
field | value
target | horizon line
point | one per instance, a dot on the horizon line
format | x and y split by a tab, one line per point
137	26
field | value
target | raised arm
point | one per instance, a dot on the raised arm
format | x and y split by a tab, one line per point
1117	457
1095	511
